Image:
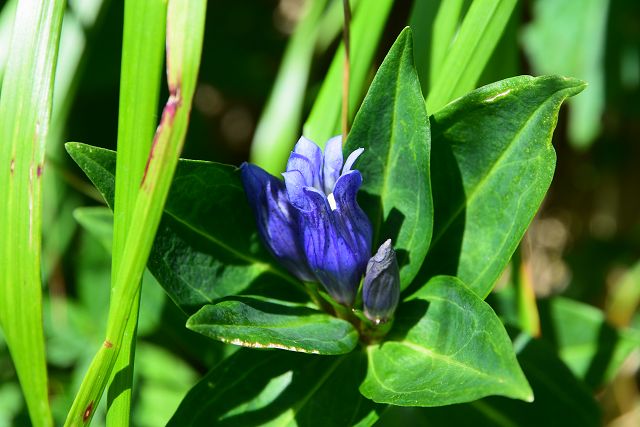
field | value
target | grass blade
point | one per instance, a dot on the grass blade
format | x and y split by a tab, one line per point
185	28
366	29
279	124
142	57
25	112
444	29
478	35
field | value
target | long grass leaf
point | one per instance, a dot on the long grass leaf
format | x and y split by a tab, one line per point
142	57
467	56
25	112
185	29
279	124
366	29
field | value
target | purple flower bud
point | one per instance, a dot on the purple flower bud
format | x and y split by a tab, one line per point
381	288
313	223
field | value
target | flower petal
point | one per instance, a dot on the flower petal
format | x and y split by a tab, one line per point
351	160
277	220
295	184
353	219
307	148
332	163
381	287
331	257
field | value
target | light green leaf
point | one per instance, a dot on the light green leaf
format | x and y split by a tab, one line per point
185	21
590	347
467	56
494	165
142	58
275	388
393	128
447	346
568	37
256	323
25	115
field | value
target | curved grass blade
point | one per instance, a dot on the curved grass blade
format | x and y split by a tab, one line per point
25	113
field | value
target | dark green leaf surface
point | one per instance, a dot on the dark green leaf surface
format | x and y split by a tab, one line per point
446	347
393	128
493	163
257	388
256	323
207	246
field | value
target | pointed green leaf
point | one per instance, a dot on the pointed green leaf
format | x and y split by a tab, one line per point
206	246
447	346
494	165
275	388
393	128
561	399
257	323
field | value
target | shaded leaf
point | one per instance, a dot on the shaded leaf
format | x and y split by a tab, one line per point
255	323
446	347
494	165
393	128
256	388
206	246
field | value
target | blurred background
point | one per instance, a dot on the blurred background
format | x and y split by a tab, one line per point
584	244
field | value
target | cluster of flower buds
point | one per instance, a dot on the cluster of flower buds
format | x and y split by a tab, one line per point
313	225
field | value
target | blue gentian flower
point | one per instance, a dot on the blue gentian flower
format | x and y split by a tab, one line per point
312	222
381	287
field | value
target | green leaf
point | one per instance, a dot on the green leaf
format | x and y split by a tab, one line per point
276	388
590	347
467	56
452	349
494	165
561	400
142	58
25	115
255	323
445	26
393	128
555	43
206	247
185	19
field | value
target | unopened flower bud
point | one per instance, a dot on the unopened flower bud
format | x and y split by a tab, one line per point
381	288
